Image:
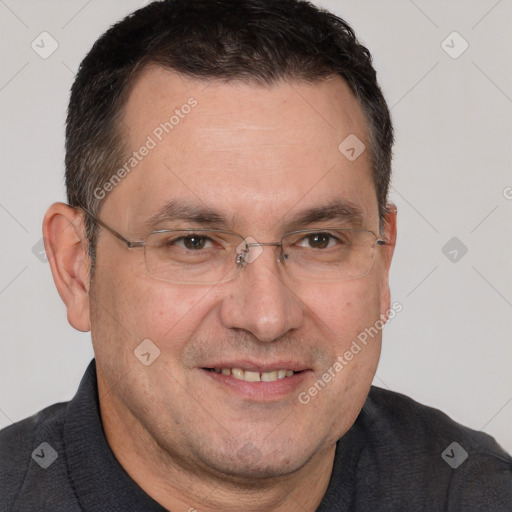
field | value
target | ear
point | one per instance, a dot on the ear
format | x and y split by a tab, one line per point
389	235
67	251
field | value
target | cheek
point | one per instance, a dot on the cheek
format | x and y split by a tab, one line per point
347	318
129	310
343	310
344	316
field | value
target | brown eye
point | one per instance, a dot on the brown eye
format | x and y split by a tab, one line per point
319	240
194	242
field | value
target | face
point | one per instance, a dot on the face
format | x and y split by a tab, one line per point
259	157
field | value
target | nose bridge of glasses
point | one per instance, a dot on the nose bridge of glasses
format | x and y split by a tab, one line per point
249	250
257	244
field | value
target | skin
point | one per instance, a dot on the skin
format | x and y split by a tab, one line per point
261	155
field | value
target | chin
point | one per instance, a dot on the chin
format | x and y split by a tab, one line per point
246	461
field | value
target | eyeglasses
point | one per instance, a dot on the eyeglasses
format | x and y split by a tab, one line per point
210	256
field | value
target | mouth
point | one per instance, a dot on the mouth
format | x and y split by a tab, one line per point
254	382
255	376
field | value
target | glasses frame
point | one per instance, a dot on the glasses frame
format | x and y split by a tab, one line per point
240	258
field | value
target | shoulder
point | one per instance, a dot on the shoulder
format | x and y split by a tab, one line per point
22	443
409	420
434	455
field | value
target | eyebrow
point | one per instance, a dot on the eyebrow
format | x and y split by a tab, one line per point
340	210
180	210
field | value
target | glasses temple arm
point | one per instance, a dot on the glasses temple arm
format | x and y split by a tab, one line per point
113	231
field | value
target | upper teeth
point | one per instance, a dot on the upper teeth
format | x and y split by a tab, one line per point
248	376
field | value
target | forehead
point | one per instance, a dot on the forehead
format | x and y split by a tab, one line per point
257	150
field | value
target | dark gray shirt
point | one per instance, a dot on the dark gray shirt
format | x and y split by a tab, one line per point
398	456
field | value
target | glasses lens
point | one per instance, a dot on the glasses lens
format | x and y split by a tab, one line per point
191	257
329	255
209	257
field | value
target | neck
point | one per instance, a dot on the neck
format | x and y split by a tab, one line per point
179	484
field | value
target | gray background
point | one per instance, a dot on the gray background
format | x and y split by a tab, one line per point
450	346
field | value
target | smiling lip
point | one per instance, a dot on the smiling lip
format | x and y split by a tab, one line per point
268	387
259	367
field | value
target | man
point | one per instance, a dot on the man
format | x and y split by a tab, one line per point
228	243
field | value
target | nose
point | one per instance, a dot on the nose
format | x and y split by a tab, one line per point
261	301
